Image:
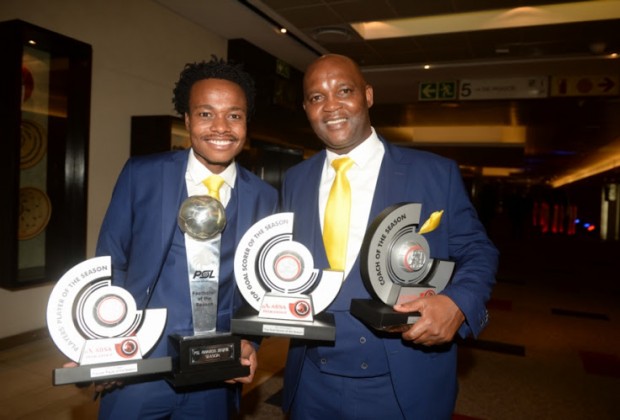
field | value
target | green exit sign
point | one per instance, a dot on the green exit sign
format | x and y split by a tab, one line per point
437	91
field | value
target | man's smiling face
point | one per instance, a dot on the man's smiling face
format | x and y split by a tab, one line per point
336	101
216	122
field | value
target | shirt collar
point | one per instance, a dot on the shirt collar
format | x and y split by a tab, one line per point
362	153
198	172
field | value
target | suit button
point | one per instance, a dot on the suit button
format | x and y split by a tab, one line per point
362	340
364	365
323	361
485	319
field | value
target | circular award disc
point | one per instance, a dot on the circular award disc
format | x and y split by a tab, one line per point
85	307
393	255
108	311
269	262
287	267
409	258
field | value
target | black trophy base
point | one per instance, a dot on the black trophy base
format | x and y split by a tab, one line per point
112	371
202	359
247	321
380	316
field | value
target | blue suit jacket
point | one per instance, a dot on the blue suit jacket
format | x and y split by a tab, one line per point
424	378
140	224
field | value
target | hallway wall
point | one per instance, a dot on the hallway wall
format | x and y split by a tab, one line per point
139	49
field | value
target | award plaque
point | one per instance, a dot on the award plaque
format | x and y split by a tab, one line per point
204	354
397	267
284	292
98	326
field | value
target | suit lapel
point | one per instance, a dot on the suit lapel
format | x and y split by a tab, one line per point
242	189
309	219
387	191
172	176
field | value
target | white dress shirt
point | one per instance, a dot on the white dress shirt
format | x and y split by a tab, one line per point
367	158
197	172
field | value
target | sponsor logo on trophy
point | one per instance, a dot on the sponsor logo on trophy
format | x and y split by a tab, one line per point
98	326
397	267
284	292
204	354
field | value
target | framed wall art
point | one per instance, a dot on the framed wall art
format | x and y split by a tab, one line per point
45	81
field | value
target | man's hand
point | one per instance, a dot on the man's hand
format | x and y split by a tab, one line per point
440	319
248	358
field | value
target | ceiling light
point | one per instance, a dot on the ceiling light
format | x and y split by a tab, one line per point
331	34
550	14
500	171
468	135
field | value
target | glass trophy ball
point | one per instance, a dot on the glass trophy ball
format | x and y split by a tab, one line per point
202	217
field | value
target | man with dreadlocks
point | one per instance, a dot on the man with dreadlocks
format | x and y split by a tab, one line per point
147	247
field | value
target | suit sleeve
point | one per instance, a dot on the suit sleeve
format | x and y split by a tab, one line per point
115	234
475	256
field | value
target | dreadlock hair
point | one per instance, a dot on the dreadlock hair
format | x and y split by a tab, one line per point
216	68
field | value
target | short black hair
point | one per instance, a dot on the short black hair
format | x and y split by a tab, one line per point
216	68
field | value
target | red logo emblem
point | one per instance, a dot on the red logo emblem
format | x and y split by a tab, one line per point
127	348
301	309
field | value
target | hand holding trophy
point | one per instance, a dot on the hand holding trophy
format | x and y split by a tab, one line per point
204	354
397	267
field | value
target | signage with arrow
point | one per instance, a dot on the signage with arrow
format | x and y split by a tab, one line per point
601	85
437	91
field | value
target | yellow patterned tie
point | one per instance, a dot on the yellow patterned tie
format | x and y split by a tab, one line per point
337	212
213	183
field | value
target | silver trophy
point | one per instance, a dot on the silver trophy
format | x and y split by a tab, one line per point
397	267
285	293
98	326
204	355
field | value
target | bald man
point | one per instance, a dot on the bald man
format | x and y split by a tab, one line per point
366	374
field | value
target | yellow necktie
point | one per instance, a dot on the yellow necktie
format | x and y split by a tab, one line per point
337	212
213	184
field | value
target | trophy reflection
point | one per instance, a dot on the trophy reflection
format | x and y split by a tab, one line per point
397	267
204	354
285	293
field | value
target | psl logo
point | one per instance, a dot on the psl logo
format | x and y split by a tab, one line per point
204	274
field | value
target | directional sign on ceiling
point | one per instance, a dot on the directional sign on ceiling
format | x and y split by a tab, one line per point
601	85
437	91
510	88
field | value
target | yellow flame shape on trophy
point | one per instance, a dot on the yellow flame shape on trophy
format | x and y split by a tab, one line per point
432	222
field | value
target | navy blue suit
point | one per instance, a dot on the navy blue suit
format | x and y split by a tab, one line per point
141	234
424	379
